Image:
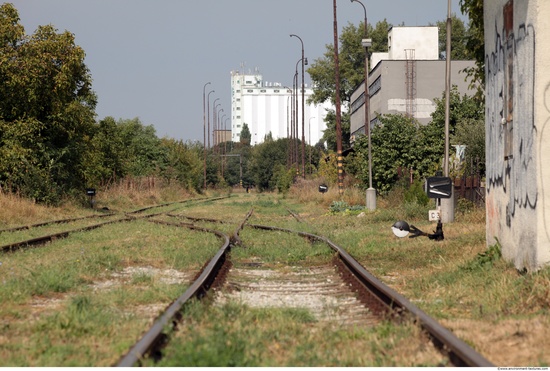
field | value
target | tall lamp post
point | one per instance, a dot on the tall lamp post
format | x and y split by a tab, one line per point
304	61
214	120
447	204
204	128
371	192
309	140
207	133
215	133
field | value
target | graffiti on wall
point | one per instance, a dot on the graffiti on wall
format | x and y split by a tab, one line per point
511	130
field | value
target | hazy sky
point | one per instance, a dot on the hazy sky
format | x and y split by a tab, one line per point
151	58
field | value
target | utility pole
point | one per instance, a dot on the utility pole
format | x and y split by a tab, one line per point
339	159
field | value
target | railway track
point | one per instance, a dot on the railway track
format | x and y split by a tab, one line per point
343	292
340	291
42	233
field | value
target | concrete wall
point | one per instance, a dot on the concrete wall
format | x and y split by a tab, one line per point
517	130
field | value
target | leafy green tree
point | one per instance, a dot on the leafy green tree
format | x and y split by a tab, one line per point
462	108
379	36
476	43
266	157
46	107
143	154
459	34
282	179
398	142
239	159
246	136
105	157
183	164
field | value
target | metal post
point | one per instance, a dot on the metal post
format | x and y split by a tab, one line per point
204	129
303	112
338	108
447	204
207	134
371	192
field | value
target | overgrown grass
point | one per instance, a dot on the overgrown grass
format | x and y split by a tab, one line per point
77	321
459	277
18	211
237	335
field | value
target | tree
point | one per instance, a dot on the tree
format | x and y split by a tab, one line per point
46	107
246	136
462	108
183	163
459	50
476	43
394	144
105	157
267	157
143	154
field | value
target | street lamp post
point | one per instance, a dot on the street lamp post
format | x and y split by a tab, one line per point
214	120
215	133
304	61
219	139
371	192
309	142
207	134
447	204
204	129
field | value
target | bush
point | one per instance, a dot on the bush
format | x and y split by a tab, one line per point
416	194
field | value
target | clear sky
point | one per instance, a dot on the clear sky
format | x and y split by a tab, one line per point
151	58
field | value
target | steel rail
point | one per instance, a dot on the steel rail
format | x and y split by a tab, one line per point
460	353
178	202
196	219
51	237
155	335
48	238
59	221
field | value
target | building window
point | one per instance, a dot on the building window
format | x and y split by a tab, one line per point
250	91
276	91
262	91
375	86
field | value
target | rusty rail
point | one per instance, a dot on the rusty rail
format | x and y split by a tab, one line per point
155	336
460	353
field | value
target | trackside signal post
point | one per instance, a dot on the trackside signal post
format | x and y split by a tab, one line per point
438	187
90	192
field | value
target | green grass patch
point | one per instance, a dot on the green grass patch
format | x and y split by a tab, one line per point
234	335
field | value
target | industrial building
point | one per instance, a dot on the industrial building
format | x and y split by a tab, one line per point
406	79
267	109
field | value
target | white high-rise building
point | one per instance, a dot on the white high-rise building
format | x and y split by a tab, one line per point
267	108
